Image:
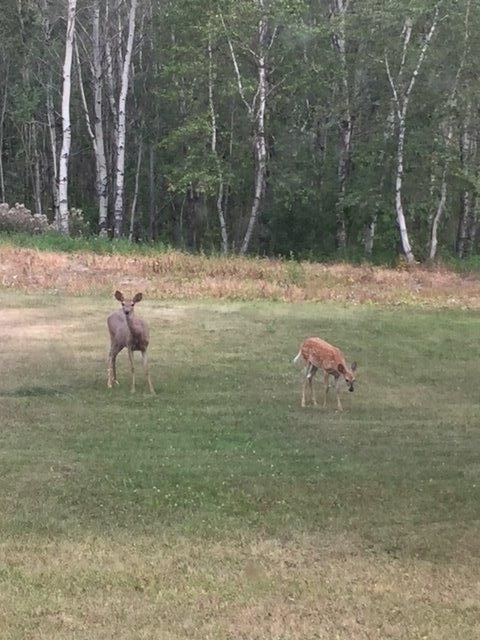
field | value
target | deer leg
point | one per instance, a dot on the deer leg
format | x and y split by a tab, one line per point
304	389
325	380
146	369
132	369
114	369
304	386
313	370
337	391
111	371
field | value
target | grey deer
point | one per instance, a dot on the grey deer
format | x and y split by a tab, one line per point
130	331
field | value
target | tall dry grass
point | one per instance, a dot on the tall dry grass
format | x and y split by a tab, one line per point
174	274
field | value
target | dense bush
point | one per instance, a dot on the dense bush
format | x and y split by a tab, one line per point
21	219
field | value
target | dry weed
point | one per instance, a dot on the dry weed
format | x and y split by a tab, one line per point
178	275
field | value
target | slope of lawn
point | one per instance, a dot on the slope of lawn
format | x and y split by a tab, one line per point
219	508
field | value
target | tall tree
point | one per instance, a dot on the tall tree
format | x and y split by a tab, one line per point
63	218
401	94
121	127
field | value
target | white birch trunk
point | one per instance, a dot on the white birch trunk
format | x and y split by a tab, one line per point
369	235
100	157
339	9
433	244
402	225
401	96
121	130
96	136
63	221
260	146
213	119
438	214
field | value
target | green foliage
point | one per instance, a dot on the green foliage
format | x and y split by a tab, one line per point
310	90
53	241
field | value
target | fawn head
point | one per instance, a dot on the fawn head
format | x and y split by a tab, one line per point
348	374
128	305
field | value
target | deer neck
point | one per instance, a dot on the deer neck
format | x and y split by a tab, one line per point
131	325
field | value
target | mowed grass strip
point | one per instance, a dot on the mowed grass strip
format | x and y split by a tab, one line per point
220	508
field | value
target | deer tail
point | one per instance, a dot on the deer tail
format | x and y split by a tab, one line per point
297	357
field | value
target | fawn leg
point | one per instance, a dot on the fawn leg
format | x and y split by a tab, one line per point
304	388
313	370
306	383
339	404
325	380
146	369
132	369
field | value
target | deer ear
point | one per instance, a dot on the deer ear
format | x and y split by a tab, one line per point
119	296
341	368
137	297
354	366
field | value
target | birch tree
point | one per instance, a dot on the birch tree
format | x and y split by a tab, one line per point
63	222
402	92
338	10
213	119
256	110
121	128
433	243
99	147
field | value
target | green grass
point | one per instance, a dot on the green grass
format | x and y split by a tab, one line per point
219	508
53	241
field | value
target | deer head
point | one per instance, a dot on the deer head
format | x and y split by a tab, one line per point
348	374
128	306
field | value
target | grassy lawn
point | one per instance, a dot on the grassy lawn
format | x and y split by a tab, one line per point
219	508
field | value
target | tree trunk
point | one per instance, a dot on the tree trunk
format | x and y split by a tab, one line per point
448	140
369	236
438	215
213	119
37	182
109	69
462	235
2	122
100	158
260	145
52	132
402	225
121	132
339	9
401	96
472	226
63	222
466	196
152	200
135	192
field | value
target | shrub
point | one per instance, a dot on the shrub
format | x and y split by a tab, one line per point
79	227
20	219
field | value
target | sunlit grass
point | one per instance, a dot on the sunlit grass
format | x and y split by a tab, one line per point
220	508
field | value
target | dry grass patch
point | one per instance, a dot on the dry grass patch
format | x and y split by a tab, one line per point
251	589
178	275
